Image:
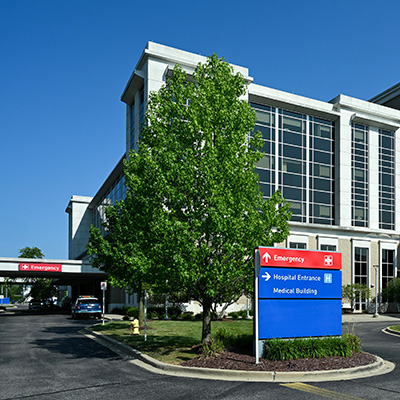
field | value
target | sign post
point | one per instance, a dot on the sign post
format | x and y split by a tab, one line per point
103	286
145	286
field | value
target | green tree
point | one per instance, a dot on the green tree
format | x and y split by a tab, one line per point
193	211
30	252
41	288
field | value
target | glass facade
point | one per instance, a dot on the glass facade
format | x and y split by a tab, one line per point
322	171
361	271
116	192
142	108
298	159
359	181
386	180
266	166
388	268
132	130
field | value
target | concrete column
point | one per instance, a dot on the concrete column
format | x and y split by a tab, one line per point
343	174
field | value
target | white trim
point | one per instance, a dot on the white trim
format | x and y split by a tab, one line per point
322	240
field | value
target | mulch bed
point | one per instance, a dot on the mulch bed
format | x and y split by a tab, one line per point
245	362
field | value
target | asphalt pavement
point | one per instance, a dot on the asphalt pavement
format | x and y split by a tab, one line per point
46	357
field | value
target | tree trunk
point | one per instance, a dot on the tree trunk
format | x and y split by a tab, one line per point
206	329
141	307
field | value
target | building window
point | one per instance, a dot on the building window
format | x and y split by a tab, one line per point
328	247
386	180
361	271
359	182
321	172
297	245
298	159
388	269
133	126
265	168
292	162
141	107
116	192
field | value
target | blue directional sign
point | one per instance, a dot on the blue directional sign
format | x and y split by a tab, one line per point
298	294
294	283
299	318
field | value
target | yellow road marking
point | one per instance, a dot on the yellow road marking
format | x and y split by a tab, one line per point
321	392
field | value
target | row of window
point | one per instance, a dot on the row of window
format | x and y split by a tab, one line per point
361	262
302	149
299	160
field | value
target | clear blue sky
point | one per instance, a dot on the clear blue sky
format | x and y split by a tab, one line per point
64	65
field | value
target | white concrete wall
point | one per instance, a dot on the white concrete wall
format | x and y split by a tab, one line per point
80	219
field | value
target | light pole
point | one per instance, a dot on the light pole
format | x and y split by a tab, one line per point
376	291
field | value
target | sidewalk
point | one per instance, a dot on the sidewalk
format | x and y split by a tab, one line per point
391	319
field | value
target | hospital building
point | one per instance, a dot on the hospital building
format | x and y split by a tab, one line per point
336	162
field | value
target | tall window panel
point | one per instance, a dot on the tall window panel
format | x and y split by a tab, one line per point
359	182
133	125
388	269
116	192
292	162
321	208
361	271
386	180
266	166
141	106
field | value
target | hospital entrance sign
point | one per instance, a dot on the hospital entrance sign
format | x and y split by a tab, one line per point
298	293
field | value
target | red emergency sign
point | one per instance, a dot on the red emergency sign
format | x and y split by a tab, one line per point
40	267
294	258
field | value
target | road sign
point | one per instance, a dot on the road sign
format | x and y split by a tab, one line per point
299	283
40	267
103	285
294	258
297	294
299	318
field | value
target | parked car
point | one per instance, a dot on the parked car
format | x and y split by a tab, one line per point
86	306
37	305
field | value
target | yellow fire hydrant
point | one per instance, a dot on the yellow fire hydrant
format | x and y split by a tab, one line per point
135	327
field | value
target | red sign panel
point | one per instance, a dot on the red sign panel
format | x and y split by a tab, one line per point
40	267
294	258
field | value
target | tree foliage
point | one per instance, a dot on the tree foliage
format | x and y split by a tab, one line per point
30	252
193	211
41	288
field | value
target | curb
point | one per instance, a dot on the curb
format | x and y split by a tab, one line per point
134	356
391	331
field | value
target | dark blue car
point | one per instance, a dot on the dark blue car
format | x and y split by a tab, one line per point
86	306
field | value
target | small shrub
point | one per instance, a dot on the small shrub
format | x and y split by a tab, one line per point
242	313
233	315
230	339
353	341
132	312
125	318
187	316
198	316
284	350
153	315
118	310
212	348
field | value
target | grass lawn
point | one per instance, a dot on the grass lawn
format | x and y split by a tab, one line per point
395	328
169	341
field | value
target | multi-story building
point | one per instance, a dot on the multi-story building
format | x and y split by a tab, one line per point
336	162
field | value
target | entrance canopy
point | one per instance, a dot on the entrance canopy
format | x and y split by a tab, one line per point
65	272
